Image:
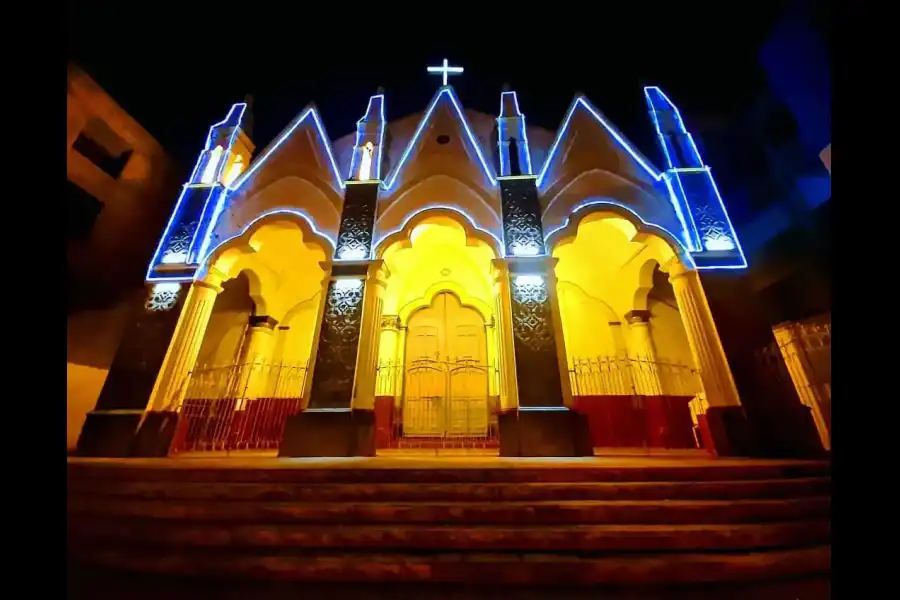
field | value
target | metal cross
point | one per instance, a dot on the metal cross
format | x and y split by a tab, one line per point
445	70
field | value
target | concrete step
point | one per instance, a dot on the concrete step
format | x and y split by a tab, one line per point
471	568
435	471
556	512
450	492
488	538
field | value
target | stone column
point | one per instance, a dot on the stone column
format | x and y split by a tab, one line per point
543	425
152	362
340	420
367	358
726	425
260	371
506	362
644	371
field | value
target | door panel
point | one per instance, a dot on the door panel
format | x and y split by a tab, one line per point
447	378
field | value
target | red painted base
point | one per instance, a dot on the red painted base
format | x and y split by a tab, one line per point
638	421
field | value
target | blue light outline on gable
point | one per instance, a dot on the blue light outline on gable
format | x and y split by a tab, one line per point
392	177
190	184
202	265
323	137
523	133
353	157
692	237
586	203
705	167
459	211
681	126
644	162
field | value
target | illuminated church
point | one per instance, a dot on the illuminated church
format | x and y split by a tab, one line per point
449	279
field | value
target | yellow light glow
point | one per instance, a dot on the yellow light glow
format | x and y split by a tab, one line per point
236	168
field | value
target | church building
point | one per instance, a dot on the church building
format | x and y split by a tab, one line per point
448	279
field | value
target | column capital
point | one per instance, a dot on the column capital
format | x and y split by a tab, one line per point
677	270
391	322
637	317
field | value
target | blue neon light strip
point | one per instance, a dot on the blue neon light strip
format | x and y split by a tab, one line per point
681	241
323	137
359	135
458	211
658	101
277	211
645	163
523	134
448	90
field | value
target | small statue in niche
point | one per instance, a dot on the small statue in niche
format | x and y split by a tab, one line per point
514	166
365	161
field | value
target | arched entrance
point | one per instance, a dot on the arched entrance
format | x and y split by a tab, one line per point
249	368
446	371
438	381
630	364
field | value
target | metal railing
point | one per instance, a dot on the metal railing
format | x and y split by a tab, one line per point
238	407
615	376
441	403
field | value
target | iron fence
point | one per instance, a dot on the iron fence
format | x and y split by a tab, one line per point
238	407
615	376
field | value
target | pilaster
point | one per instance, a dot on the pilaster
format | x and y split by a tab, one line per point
339	420
724	425
542	425
152	362
645	374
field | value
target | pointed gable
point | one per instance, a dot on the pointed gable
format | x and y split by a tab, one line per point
302	150
588	140
443	136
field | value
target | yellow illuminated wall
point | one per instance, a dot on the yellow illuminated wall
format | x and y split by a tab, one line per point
283	275
605	270
436	255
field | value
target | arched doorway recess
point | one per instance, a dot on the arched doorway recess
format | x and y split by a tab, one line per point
630	364
439	360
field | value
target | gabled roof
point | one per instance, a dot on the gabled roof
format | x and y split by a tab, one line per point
581	102
310	117
445	94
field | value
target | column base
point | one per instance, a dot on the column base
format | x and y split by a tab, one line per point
726	431
108	434
329	433
551	431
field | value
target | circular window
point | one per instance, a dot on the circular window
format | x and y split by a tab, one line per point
443	139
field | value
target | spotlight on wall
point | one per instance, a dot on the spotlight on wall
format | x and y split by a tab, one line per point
351	254
525	249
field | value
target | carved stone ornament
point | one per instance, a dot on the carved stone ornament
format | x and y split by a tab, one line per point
537	370
163	296
357	222
179	242
522	230
338	344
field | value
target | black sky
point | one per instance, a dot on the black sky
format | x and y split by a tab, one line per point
177	69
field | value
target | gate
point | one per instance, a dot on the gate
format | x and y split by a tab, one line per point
447	400
238	407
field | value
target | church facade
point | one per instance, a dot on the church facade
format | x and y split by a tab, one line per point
451	278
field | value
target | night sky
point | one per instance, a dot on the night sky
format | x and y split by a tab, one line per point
177	72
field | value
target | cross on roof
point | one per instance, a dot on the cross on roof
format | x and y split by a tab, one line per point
445	70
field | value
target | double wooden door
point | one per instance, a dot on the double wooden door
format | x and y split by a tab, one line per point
446	391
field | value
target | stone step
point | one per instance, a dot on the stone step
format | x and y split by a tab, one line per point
420	471
596	538
568	512
471	568
449	492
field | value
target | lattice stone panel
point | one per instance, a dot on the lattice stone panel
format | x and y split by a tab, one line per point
537	367
332	384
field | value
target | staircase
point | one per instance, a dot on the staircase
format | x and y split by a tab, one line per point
694	524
